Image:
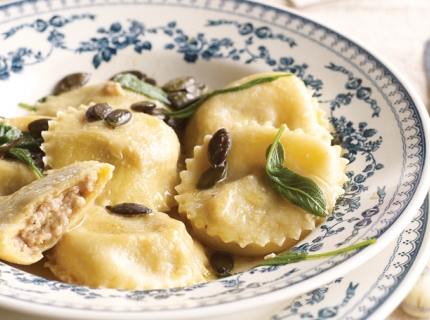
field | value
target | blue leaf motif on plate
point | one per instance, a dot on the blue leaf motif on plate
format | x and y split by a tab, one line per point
15	61
116	37
362	93
299	306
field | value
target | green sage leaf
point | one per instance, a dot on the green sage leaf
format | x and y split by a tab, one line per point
277	157
8	133
27	106
131	82
190	110
299	190
25	156
28	142
293	257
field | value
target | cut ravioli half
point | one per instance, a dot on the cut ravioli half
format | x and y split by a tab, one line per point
106	92
150	251
144	151
283	101
243	214
35	217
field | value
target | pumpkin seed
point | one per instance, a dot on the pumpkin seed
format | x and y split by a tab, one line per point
118	117
178	125
221	262
36	127
72	81
211	176
218	147
151	81
129	209
143	106
5	147
98	111
149	108
38	160
179	84
182	99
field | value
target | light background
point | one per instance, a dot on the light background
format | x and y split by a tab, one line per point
395	29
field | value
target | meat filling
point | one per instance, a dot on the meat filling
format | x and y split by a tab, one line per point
51	218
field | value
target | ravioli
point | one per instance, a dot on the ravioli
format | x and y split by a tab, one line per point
106	92
243	214
14	175
144	152
283	101
151	251
35	217
21	123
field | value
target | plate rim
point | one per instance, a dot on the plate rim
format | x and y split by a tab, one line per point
416	199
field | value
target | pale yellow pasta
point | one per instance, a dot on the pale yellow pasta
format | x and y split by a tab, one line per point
144	152
21	123
149	251
105	92
283	101
243	214
35	217
14	175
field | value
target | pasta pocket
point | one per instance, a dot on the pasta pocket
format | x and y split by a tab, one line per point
283	101
243	214
144	152
105	92
35	217
14	175
148	251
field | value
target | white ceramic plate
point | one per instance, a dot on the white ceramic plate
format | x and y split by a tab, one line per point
374	289
383	126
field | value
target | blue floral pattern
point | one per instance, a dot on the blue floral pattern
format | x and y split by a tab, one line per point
319	304
15	61
114	38
314	297
259	38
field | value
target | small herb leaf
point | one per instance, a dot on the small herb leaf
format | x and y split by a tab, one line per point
277	157
190	110
131	82
293	257
299	190
8	133
25	156
27	106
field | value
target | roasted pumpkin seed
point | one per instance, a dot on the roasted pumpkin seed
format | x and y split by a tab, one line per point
38	160
129	209
179	84
218	147
72	81
181	99
5	147
143	106
221	262
211	176
98	111
36	127
151	81
118	117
